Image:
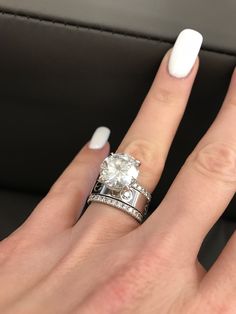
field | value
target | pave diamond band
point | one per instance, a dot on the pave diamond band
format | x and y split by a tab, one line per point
142	190
117	186
118	204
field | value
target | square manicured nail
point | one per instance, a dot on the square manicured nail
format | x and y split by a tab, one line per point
184	53
99	138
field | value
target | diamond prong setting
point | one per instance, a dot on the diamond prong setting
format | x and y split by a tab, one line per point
119	170
117	186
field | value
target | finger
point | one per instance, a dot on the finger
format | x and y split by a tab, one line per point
220	281
63	204
204	186
150	136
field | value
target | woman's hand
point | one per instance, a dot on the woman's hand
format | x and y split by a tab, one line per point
106	262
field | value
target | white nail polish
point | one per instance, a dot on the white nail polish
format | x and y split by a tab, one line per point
99	138
184	53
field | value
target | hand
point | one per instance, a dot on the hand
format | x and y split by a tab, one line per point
106	262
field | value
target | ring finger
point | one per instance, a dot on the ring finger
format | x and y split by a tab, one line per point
152	132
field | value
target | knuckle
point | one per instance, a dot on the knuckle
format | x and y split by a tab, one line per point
210	304
59	197
69	179
129	285
231	102
65	186
160	249
163	96
152	161
217	160
132	280
13	247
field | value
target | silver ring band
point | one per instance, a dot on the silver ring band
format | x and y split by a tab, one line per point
118	204
128	195
141	189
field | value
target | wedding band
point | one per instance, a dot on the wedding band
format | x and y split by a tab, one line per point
117	204
118	187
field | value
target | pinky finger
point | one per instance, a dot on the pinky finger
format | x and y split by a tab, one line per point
219	285
63	204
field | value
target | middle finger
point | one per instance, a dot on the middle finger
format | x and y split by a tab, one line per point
204	186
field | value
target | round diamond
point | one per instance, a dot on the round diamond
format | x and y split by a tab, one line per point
126	194
118	170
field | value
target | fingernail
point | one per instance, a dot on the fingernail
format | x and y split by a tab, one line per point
184	53
99	138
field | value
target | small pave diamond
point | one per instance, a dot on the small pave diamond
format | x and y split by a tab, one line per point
139	188
126	194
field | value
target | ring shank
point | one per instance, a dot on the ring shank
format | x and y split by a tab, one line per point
117	204
137	200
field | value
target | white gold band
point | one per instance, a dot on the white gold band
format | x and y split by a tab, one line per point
141	189
118	204
128	195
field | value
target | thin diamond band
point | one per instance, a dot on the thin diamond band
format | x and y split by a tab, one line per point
141	189
118	204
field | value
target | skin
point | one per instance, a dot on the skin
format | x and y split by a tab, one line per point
104	261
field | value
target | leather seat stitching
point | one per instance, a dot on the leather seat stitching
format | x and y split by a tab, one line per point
70	24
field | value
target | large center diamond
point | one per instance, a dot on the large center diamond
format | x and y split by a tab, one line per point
118	170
